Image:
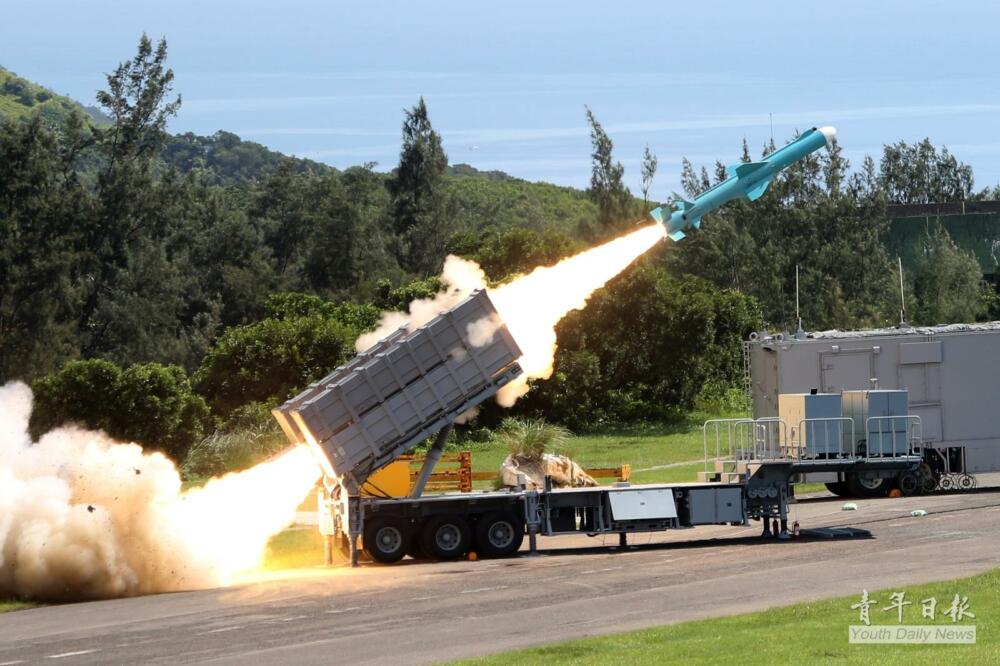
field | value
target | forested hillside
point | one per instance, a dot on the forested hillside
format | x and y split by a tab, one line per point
20	98
192	282
221	159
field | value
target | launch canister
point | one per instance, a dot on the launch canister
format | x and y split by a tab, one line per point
746	180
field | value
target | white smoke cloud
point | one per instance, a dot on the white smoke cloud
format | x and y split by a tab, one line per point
462	277
85	517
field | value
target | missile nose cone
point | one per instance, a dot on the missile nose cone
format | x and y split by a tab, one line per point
830	133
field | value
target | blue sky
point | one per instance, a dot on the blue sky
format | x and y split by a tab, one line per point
506	83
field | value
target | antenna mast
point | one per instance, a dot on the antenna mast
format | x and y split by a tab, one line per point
800	333
902	296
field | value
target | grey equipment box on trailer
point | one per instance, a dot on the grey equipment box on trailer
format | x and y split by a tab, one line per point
880	418
407	387
949	371
807	437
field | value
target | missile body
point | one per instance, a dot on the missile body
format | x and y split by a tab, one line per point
749	181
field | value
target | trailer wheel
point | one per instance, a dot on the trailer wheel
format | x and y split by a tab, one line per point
860	487
446	537
927	478
499	534
909	483
386	539
839	489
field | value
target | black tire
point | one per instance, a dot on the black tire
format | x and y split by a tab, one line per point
499	534
867	488
928	479
446	537
909	483
839	489
386	540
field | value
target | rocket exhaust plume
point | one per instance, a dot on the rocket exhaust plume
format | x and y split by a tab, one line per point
530	305
85	517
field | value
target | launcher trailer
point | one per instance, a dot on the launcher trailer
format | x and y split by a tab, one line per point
414	384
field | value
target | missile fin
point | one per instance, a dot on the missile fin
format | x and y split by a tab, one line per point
676	235
657	214
696	223
757	191
744	170
682	204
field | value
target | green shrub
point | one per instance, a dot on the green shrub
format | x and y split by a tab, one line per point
530	438
251	416
270	360
149	403
716	398
290	305
82	392
398	299
223	452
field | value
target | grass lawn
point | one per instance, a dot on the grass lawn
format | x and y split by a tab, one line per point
664	454
14	605
804	633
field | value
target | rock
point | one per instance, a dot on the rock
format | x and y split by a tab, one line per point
564	472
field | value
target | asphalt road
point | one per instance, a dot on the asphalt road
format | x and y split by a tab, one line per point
421	612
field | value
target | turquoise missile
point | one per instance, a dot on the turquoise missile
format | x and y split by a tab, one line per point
746	181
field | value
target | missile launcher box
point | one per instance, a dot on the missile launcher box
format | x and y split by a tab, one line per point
408	386
886	434
808	438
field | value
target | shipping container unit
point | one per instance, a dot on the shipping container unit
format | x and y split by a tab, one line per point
950	376
414	384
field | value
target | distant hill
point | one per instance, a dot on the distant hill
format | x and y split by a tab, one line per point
225	158
482	199
470	171
229	160
494	199
20	97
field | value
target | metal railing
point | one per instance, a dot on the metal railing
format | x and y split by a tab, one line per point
807	439
764	439
892	435
744	440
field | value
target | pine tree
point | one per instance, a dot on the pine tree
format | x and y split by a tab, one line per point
607	188
131	219
947	283
649	163
419	203
919	174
